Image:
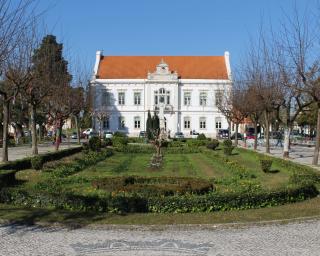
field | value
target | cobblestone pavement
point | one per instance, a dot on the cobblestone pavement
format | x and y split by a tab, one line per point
293	239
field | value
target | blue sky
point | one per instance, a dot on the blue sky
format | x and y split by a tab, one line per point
161	27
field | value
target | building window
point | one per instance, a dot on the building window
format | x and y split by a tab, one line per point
121	98
122	124
168	97
162	96
187	98
218	122
218	96
106	124
187	123
203	98
137	122
202	123
137	98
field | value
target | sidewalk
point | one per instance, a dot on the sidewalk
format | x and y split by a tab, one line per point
298	153
25	151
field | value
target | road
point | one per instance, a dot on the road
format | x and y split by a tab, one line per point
295	239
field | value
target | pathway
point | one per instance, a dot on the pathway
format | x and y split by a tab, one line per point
295	239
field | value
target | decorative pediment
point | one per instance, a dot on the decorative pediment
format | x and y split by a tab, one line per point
163	72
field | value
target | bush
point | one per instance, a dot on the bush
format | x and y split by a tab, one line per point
94	143
266	165
130	148
37	162
213	144
119	134
177	143
227	147
108	142
196	143
201	137
119	142
154	186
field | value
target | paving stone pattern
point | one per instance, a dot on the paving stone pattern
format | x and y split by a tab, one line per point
293	239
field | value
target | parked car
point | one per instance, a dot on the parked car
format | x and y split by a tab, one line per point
223	134
194	134
250	136
87	131
240	136
142	134
178	135
92	134
74	135
108	135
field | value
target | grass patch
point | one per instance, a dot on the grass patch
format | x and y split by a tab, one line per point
20	215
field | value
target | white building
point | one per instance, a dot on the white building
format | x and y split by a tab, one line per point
126	87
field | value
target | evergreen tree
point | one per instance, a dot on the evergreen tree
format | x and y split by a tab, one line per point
149	126
156	123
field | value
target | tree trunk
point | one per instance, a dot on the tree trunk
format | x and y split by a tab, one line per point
77	128
229	130
40	132
100	129
267	135
255	135
286	143
58	135
317	147
236	136
5	131
34	130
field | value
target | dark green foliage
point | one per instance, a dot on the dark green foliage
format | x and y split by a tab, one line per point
213	144
143	149
108	141
119	142
197	143
7	178
227	147
266	165
230	201
154	186
37	162
152	126
201	137
49	66
119	134
94	143
149	126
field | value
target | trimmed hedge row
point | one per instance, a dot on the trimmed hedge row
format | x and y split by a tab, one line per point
154	186
8	171
25	163
137	203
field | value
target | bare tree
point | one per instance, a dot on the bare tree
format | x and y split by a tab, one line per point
100	114
14	19
297	41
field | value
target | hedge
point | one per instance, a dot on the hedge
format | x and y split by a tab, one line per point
25	163
137	203
8	171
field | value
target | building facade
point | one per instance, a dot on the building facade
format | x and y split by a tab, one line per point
126	87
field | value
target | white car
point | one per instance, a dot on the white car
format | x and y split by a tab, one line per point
108	135
88	131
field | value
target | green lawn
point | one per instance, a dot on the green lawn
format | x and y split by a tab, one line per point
203	165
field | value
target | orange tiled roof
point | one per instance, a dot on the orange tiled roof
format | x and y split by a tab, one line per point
188	67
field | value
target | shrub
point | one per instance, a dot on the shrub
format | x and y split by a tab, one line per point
94	143
201	137
154	186
213	144
119	134
266	165
108	142
196	143
37	162
176	143
119	142
130	148
227	147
